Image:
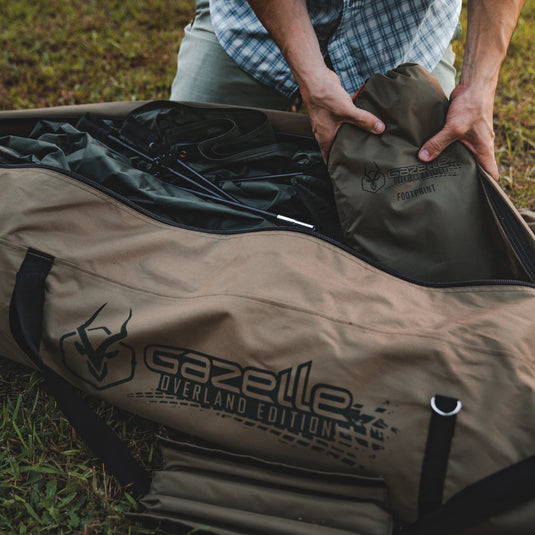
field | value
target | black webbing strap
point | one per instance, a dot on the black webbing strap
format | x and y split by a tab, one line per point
488	497
26	319
437	452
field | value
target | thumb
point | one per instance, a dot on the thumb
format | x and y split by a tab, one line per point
434	146
365	120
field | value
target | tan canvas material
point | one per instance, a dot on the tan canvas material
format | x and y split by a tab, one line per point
258	497
277	343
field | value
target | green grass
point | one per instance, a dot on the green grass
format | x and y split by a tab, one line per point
50	482
68	52
59	52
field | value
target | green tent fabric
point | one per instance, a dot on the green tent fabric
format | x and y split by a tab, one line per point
231	148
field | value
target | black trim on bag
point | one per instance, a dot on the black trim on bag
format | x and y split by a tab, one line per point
437	452
480	501
512	229
26	321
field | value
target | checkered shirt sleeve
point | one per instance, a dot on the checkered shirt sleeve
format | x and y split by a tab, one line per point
361	37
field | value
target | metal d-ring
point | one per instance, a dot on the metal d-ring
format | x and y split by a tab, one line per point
453	412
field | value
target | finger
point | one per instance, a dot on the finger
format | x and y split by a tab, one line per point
365	120
325	144
492	168
325	123
433	147
357	117
437	144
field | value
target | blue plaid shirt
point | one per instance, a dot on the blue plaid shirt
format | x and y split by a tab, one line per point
361	37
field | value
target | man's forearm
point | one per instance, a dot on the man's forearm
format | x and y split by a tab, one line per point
327	102
289	25
490	26
470	117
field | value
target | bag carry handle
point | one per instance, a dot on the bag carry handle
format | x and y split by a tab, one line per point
26	320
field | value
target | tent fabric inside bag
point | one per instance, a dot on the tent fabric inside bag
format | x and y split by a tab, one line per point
231	149
426	222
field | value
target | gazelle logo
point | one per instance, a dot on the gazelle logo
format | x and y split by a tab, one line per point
373	180
96	352
287	401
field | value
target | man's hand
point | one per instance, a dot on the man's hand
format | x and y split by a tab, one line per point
490	27
469	120
329	105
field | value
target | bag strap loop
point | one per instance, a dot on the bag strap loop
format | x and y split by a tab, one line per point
437	452
26	321
480	501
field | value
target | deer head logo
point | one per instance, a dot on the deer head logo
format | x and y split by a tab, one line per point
97	355
373	180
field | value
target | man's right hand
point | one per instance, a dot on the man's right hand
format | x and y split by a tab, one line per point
329	105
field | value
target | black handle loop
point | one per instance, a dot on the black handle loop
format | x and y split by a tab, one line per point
26	320
437	452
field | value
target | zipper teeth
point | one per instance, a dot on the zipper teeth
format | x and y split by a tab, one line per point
318	235
508	223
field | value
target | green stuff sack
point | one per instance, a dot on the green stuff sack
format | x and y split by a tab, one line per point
429	221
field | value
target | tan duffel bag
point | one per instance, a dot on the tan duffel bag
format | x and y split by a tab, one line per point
282	345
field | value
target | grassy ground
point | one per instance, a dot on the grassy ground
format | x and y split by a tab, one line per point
70	52
49	481
59	52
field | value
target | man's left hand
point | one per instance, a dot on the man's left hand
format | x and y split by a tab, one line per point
469	120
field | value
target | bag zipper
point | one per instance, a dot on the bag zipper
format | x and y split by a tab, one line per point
510	228
292	228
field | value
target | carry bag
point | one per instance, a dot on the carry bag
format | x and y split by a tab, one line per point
232	312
